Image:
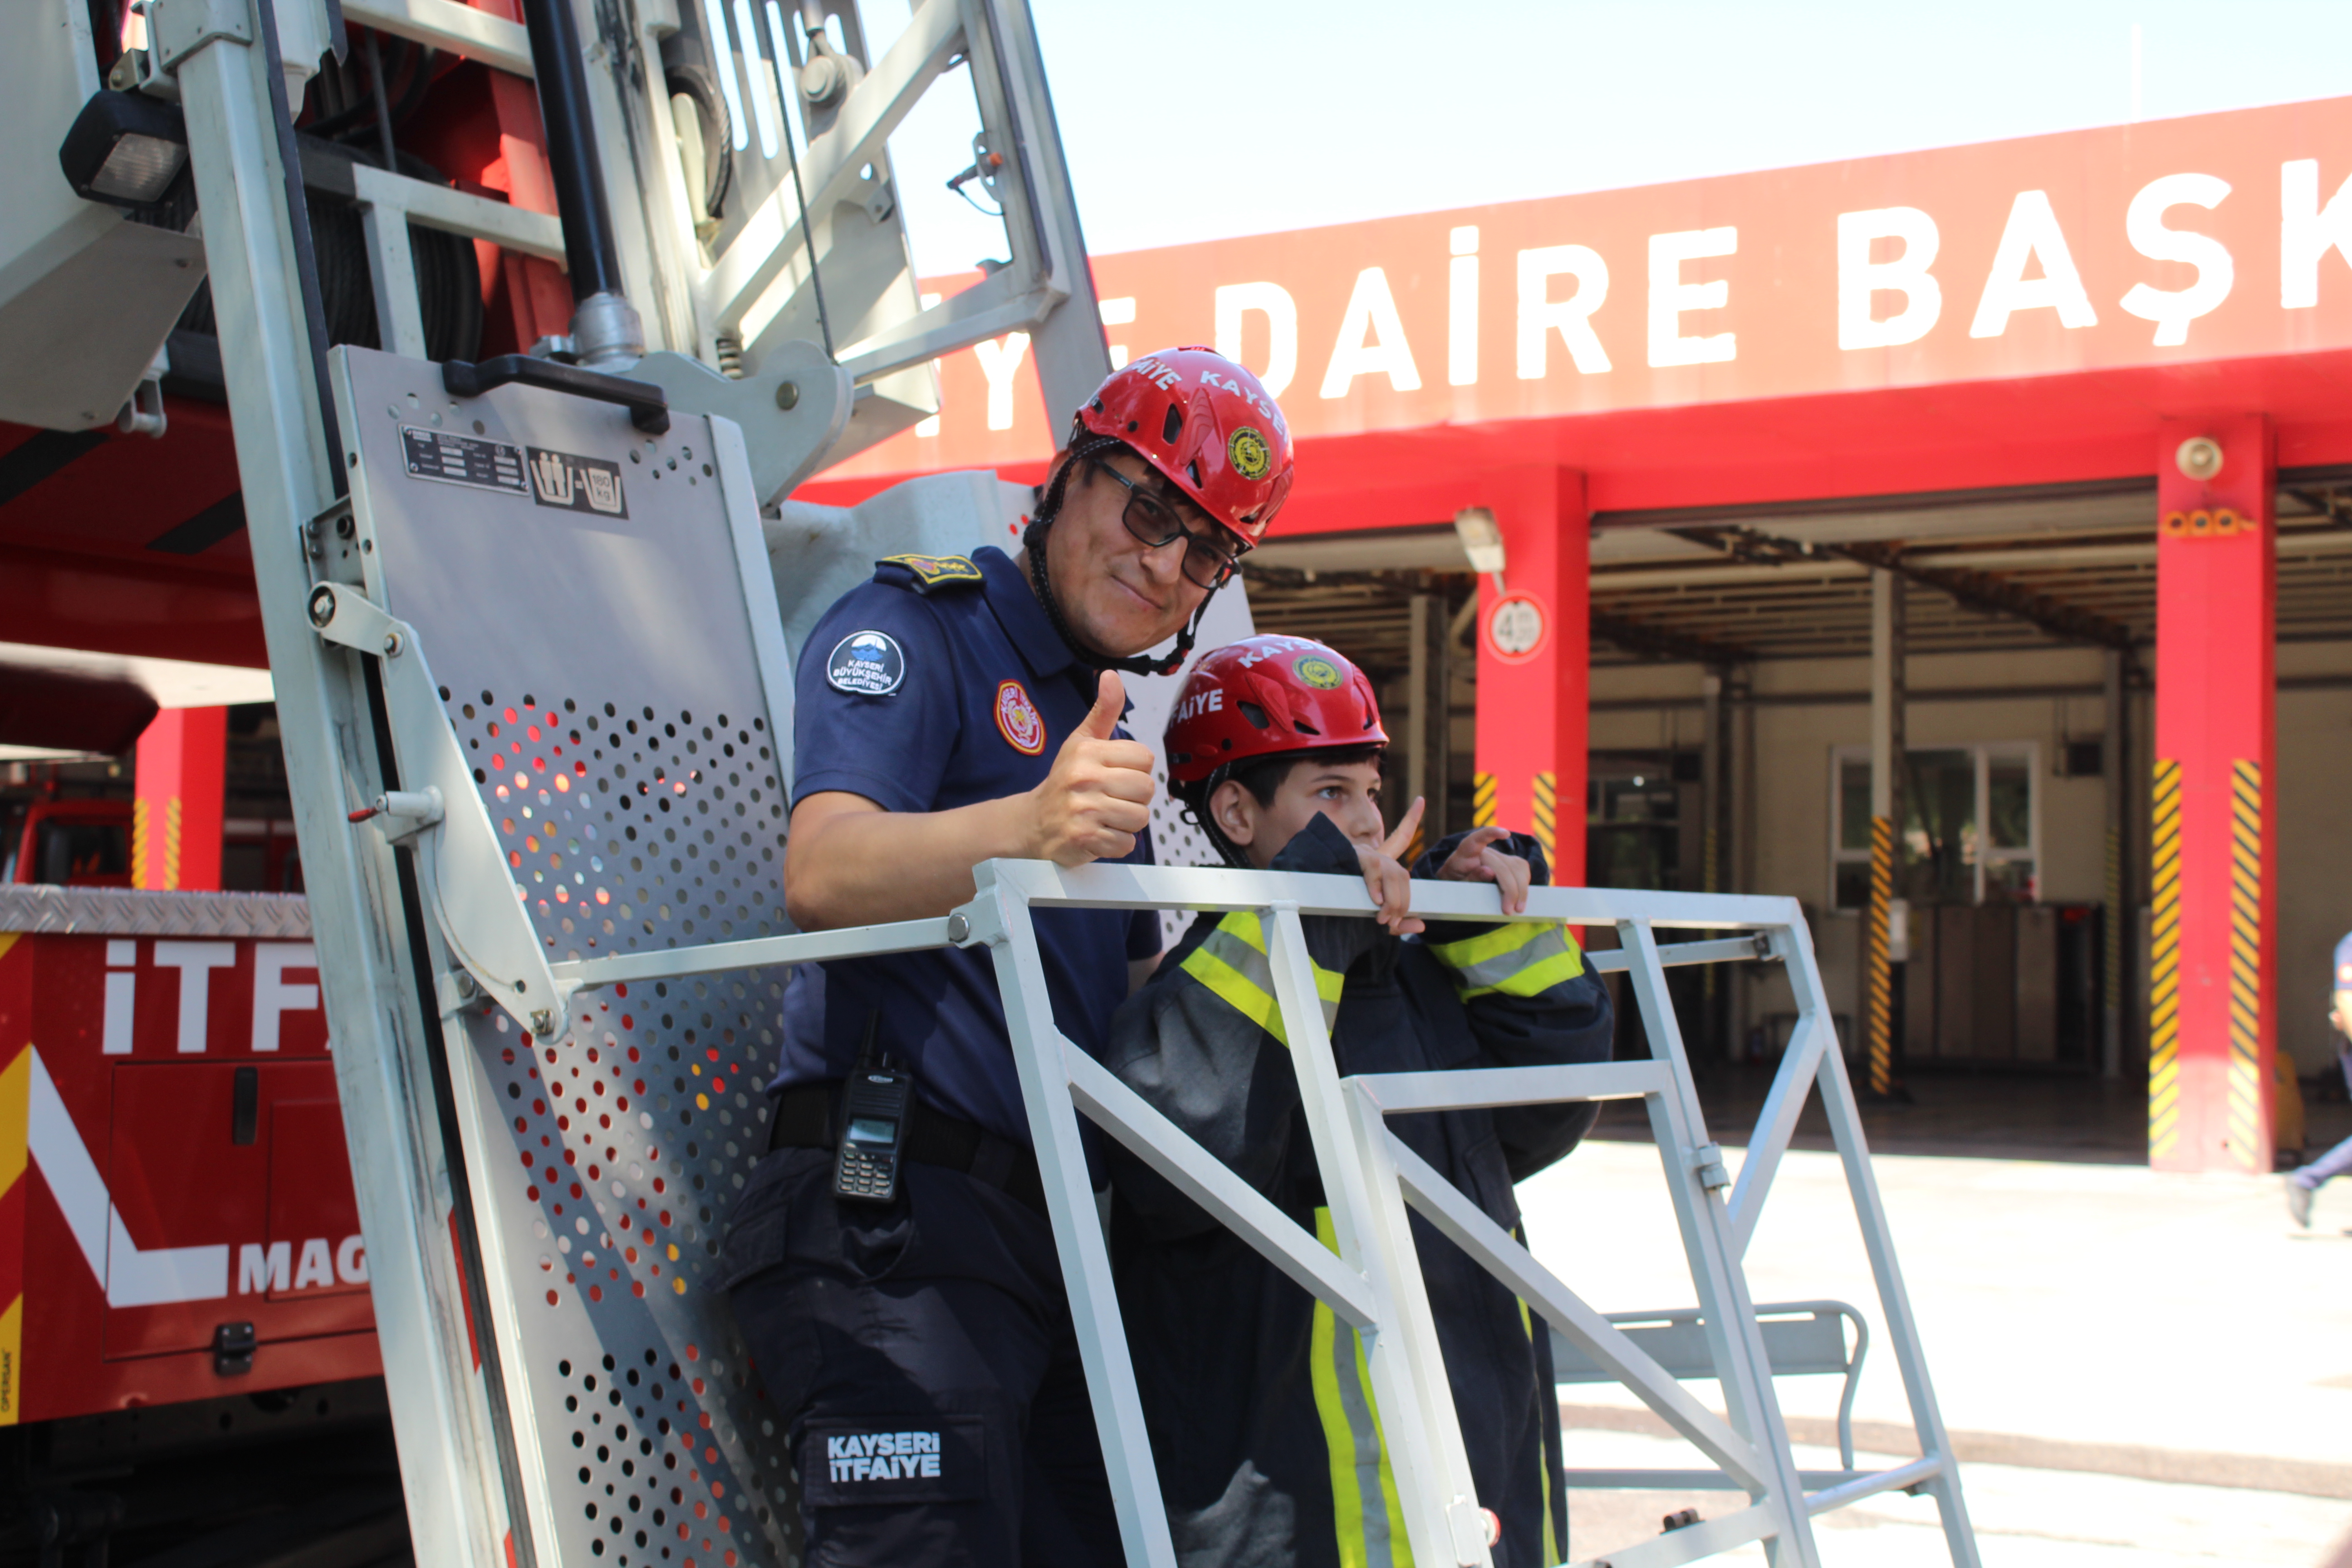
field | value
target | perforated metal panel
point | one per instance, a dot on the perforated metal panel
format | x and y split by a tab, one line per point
618	681
631	1136
599	609
632	826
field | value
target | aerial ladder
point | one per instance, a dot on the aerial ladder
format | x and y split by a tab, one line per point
531	622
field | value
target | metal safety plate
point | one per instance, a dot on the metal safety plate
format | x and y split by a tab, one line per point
617	680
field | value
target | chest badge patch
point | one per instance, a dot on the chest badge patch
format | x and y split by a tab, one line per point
1018	721
867	664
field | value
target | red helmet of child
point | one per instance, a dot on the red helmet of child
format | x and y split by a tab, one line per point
1264	695
1208	425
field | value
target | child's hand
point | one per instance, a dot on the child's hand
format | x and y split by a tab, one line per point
1477	860
1386	878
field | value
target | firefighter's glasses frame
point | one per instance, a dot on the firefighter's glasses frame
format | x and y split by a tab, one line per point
1153	523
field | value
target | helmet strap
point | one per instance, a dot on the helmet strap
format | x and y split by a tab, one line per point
1033	540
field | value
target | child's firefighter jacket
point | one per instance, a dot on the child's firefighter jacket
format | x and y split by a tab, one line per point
1258	1399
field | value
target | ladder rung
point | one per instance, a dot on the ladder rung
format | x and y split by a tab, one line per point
446	24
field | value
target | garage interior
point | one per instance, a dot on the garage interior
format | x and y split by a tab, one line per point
1730	681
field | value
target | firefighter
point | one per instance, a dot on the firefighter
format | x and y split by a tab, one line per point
1256	1396
950	710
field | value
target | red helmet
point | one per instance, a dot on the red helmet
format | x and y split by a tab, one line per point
1266	695
1206	424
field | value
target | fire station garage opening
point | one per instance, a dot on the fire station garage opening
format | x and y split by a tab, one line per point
2017	606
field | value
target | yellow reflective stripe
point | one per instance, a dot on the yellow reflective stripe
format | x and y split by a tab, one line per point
1399	1545
1492	942
1245	993
1536	979
1543	1459
1525	958
1365	1513
1232	961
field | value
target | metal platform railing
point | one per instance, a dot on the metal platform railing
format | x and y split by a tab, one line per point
1371	1179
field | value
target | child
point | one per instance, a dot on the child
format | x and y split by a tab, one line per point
1258	1399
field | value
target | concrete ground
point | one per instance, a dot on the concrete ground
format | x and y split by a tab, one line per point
2137	1368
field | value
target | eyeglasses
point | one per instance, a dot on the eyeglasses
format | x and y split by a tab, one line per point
1153	523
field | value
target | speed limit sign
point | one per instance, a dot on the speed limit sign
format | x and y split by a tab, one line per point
1516	628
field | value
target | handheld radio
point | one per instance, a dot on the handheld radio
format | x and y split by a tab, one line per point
876	1104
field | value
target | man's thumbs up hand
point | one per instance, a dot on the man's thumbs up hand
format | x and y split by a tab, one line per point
1098	797
1110	702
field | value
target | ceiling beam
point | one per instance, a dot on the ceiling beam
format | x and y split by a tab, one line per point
1974	589
1999	597
1664	643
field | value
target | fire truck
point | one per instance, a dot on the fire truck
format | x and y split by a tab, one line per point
458	360
189	1364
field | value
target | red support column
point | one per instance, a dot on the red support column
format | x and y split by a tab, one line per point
176	821
2211	841
1535	664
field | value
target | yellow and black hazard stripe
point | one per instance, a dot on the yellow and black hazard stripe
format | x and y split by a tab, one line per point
1525	958
2249	1142
1232	961
155	845
16	1107
1365	1513
1547	791
1482	800
1880	1010
2163	963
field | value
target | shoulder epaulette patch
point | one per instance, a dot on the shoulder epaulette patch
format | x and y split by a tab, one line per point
927	574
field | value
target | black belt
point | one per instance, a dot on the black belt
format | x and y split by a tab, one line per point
809	1117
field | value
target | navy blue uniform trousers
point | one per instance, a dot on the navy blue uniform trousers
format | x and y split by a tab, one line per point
923	1356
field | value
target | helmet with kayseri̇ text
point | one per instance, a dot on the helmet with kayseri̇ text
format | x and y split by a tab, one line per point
1262	696
1208	425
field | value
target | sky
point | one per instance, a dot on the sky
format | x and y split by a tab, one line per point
1208	118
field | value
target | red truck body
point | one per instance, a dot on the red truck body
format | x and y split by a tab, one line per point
172	1156
72	844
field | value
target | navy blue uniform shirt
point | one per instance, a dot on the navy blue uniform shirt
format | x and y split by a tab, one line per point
931	687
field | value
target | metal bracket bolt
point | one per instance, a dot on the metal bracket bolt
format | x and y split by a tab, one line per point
413	808
1706	1164
979	924
407	812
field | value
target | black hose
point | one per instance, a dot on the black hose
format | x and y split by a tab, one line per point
306	260
420	80
589	248
382	103
361	111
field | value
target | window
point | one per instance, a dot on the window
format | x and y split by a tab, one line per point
1632	836
1971	832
